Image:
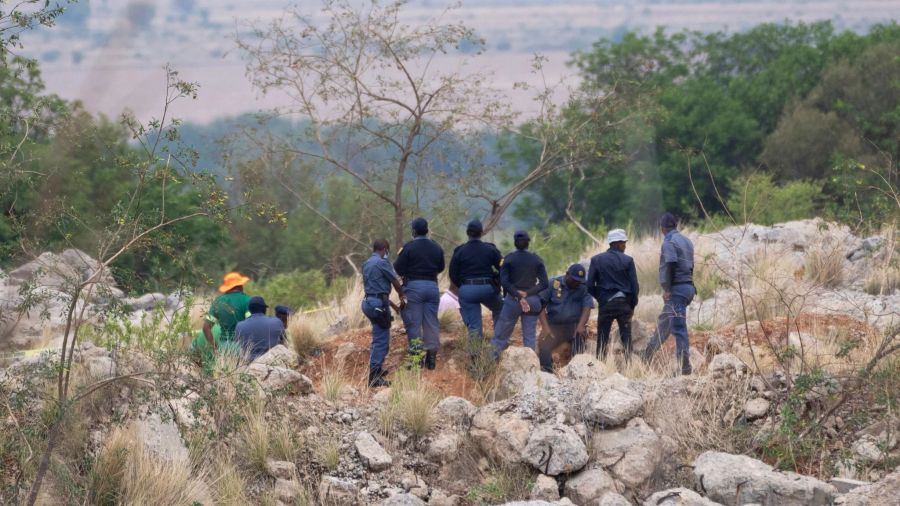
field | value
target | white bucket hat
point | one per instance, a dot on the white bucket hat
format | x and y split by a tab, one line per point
616	235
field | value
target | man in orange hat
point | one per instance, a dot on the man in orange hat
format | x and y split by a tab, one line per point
228	309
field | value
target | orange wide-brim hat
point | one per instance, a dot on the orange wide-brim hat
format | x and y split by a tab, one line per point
233	279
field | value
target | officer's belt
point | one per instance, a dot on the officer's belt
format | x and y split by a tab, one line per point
478	281
381	296
421	278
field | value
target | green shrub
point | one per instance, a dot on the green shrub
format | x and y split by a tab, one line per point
758	199
296	289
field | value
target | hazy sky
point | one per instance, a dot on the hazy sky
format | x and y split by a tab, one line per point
110	53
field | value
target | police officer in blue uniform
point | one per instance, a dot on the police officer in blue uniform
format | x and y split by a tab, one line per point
567	307
522	276
676	276
418	264
475	274
612	280
378	278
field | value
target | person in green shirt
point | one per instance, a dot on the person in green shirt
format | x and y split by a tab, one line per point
228	309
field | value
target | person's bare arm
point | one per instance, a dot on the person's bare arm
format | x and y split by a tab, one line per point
400	293
582	322
207	332
545	324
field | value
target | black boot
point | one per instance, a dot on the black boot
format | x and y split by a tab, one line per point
376	378
686	365
430	360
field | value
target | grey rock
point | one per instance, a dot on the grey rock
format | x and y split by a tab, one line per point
588	486
280	469
519	372
439	498
403	500
146	302
881	493
738	479
583	367
444	447
844	485
162	438
273	378
280	356
454	411
337	491
545	488
372	455
500	432
678	497
756	408
612	402
613	499
287	490
726	364
632	454
555	449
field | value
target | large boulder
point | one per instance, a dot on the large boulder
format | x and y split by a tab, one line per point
737	479
588	486
678	497
501	432
272	378
161	438
881	493
583	367
372	455
280	356
454	412
632	454
555	449
519	372
612	402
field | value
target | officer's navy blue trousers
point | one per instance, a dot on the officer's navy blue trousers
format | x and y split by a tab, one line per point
471	298
421	314
673	320
381	337
503	328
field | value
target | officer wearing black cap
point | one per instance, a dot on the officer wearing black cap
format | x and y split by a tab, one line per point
475	272
523	276
418	264
283	313
258	333
567	307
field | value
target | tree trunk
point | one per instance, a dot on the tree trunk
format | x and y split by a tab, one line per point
52	439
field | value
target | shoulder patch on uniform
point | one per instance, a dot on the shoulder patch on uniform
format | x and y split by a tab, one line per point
556	283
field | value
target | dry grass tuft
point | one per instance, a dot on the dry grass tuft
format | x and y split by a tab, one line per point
328	452
303	336
227	485
883	281
253	443
410	405
825	267
333	383
283	446
648	308
126	473
450	321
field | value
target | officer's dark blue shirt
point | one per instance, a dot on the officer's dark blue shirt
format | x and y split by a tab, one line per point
564	304
474	259
523	270
258	334
676	260
377	275
612	272
420	258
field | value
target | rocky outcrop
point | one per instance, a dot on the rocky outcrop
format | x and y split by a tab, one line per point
555	449
632	454
882	493
612	402
519	372
588	486
501	432
737	479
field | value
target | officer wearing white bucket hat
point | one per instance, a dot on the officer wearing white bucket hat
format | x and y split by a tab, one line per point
612	280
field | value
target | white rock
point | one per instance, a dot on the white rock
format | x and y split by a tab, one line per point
588	486
545	488
881	493
555	450
444	446
162	438
146	302
738	479
726	364
372	455
612	402
583	367
439	498
500	432
454	411
280	356
273	378
613	499
756	408
678	497
403	500
631	454
519	373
